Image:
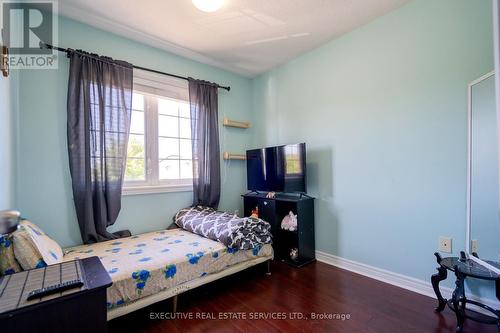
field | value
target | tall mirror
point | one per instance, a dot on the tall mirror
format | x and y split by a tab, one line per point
483	176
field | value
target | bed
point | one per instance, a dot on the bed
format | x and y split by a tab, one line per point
155	266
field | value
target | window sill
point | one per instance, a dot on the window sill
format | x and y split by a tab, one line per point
140	190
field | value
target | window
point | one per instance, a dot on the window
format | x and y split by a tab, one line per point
159	150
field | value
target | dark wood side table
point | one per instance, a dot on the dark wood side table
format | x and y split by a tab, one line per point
463	268
77	310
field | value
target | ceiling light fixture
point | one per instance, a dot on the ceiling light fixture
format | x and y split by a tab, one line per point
208	6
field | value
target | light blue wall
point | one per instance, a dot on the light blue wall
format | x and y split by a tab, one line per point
7	140
383	111
43	182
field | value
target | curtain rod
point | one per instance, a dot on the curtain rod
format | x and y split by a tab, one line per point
60	49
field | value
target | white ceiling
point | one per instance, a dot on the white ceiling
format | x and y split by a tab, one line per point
246	36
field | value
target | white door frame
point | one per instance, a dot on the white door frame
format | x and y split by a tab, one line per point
469	170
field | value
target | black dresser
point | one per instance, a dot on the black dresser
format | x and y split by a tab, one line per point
286	242
77	310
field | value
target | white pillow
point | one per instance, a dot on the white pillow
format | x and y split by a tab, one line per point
32	239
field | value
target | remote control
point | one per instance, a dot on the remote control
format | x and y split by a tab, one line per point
56	288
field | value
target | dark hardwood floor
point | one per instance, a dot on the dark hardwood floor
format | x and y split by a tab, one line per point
373	306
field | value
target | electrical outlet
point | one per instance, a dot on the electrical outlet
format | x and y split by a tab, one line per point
473	245
445	244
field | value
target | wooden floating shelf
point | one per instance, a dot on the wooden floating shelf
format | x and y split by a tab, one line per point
229	156
233	123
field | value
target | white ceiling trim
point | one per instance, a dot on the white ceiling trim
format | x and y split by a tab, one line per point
97	21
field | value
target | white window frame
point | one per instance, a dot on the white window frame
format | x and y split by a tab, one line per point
152	85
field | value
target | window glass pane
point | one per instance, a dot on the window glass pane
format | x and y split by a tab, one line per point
168	126
186	169
185	149
168	148
138	102
169	169
172	142
137	122
136	147
135	169
185	128
184	110
168	107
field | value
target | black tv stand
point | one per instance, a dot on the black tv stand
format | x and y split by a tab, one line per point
273	210
252	191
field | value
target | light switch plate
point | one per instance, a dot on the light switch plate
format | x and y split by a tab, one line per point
445	244
473	245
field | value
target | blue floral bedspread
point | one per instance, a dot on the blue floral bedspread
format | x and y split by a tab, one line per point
146	264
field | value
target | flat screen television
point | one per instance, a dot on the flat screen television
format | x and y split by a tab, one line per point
277	169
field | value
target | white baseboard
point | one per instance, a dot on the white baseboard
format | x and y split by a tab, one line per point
403	281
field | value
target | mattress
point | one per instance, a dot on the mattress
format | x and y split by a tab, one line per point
146	264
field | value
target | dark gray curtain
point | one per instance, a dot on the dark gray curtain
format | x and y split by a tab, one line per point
205	135
99	111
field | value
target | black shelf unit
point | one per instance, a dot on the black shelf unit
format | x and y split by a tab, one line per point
273	211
